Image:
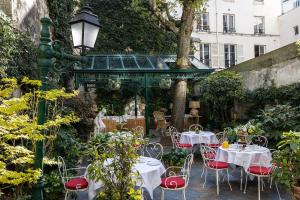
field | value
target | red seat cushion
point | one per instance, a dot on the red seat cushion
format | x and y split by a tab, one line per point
217	165
76	183
209	155
214	145
172	182
260	170
185	145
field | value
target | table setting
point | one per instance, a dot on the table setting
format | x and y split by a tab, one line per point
198	137
244	155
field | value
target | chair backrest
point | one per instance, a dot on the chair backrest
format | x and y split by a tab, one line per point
196	127
158	115
259	140
172	129
187	166
62	169
154	150
175	137
139	130
221	137
207	153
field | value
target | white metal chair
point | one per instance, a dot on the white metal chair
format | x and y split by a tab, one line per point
175	136
139	130
71	183
259	140
208	155
260	170
177	178
221	138
154	150
196	127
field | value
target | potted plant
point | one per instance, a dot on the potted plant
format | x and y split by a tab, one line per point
175	157
288	158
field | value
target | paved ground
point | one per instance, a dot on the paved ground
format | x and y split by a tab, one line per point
195	190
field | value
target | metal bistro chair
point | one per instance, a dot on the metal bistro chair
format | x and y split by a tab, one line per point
196	127
154	150
210	163
178	178
71	183
220	137
261	170
175	136
259	140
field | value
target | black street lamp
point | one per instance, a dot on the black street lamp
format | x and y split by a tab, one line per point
85	27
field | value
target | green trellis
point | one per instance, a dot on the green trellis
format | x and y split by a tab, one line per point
145	71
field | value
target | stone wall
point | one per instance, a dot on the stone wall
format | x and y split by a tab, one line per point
277	68
27	15
5	7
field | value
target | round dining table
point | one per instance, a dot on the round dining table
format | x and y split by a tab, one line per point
202	137
245	157
150	170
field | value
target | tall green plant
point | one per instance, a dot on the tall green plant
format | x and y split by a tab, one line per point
113	166
19	129
218	92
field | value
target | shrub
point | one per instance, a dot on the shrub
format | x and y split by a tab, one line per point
218	92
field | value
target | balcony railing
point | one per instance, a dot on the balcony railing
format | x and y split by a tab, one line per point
203	28
228	29
259	30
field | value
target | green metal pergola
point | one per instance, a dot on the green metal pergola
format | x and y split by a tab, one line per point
143	70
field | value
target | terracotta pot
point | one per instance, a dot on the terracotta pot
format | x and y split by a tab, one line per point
296	192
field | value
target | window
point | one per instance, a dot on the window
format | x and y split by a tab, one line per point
228	23
259	25
296	30
205	54
296	3
230	55
259	50
259	1
203	22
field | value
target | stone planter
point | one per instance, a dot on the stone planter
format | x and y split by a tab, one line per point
296	192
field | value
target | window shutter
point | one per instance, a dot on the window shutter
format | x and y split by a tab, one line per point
240	53
214	55
221	56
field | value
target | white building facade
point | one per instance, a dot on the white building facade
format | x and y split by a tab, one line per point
232	31
289	22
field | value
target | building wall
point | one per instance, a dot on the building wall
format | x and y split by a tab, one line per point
287	22
26	14
277	68
5	7
244	37
288	5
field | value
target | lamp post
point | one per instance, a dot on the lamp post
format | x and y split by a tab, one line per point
50	55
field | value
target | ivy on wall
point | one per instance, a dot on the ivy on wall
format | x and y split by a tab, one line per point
128	26
17	51
61	12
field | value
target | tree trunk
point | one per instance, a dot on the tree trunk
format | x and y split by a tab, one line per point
182	62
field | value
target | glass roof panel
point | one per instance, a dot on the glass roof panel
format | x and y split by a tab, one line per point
157	62
143	62
129	62
100	62
115	62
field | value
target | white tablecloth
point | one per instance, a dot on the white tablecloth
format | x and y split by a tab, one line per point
191	137
252	155
151	176
121	119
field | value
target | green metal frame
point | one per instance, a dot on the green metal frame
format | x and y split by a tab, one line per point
145	78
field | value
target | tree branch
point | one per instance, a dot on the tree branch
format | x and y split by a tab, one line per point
170	25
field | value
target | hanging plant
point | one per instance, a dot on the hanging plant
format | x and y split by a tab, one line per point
113	85
165	83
